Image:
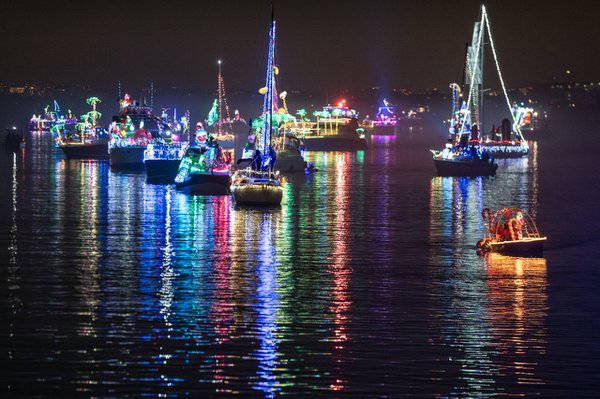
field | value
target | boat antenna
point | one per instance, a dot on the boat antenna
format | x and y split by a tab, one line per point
119	89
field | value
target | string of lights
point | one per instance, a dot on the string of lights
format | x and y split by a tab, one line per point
489	31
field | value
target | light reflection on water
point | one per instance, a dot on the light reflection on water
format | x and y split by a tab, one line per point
494	308
364	283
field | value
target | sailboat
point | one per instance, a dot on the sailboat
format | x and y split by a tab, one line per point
468	153
219	121
467	124
259	184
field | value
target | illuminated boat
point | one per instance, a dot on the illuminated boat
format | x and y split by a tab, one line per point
256	187
204	170
336	129
385	121
44	122
131	131
219	122
463	161
290	157
162	161
94	146
83	140
466	123
163	155
511	231
260	184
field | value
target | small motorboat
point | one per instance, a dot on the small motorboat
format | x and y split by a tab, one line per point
511	231
13	139
162	161
204	169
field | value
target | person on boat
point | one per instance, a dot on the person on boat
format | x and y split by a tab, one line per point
515	226
249	148
217	152
464	140
448	150
256	161
475	132
201	136
506	130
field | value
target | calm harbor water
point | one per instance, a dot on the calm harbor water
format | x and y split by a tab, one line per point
365	283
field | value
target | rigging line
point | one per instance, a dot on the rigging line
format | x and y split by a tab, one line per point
515	125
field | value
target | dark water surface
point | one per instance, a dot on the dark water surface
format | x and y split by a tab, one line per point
365	283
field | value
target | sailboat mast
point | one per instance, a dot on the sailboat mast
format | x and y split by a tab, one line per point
272	73
220	96
268	101
481	64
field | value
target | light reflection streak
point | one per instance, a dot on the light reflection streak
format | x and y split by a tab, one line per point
517	289
339	299
13	249
167	274
220	309
220	315
454	201
89	177
266	307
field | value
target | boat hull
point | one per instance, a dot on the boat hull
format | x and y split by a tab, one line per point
257	194
389	130
85	151
524	247
445	167
206	184
127	156
334	143
161	170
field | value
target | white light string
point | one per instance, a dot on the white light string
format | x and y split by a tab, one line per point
515	125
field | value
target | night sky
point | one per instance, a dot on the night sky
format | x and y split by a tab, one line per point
322	44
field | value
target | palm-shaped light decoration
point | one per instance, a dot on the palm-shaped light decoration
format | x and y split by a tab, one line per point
301	113
93	114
